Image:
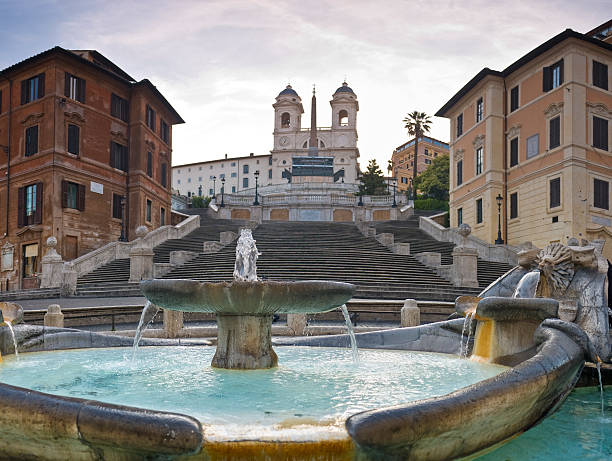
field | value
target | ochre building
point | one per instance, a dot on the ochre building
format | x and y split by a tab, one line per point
85	156
536	134
403	159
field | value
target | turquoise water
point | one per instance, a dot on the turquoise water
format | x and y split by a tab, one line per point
311	384
577	431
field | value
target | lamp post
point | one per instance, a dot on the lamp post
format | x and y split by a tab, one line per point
256	202
394	185
222	191
215	187
122	236
500	240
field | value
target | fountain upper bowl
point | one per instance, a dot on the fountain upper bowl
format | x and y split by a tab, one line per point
247	298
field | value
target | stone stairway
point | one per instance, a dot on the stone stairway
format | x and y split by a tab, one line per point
408	231
328	251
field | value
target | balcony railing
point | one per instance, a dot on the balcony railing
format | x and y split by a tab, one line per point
313	199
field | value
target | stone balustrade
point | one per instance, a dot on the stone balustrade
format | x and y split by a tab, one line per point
312	198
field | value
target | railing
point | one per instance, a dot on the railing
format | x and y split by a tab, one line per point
313	198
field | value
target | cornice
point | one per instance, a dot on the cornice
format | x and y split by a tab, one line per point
599	109
478	141
514	131
32	118
554	109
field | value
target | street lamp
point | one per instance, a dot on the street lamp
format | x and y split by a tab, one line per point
256	202
394	185
222	191
215	187
500	240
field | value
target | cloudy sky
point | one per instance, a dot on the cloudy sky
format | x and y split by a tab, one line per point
222	63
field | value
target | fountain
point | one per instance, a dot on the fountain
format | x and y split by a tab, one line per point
534	328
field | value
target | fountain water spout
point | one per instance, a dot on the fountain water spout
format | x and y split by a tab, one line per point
245	268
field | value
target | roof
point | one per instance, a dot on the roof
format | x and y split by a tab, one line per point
427	139
101	64
533	54
288	92
229	159
344	89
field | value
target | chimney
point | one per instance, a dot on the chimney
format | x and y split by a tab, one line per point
225	156
251	154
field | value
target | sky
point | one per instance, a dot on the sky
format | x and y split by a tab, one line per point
222	63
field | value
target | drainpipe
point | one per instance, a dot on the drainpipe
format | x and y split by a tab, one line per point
126	209
505	164
8	156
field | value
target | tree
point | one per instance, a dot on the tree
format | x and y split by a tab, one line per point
372	181
433	182
417	124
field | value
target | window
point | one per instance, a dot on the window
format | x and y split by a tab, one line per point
514	157
600	75
479	160
514	98
552	76
119	156
479	211
245	169
404	180
460	125
555	192
148	211
245	183
164	175
188	179
270	161
117	207
233	189
73	196
285	120
119	107
459	216
162	217
178	181
150	118
459	172
427	161
533	145
199	178
211	192
31	140
479	109
222	176
426	151
233	163
601	197
74	87
164	131
29	206
30	260
554	133
270	173
234	174
149	164
514	205
600	133
343	118
73	139
32	89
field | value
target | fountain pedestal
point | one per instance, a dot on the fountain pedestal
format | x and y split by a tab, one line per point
244	342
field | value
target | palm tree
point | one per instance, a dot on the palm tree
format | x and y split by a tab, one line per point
417	124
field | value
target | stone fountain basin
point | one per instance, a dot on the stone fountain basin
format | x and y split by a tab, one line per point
247	298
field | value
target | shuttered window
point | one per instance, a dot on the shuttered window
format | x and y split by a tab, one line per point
149	164
479	160
478	211
555	192
479	109
73	139
31	140
459	172
460	125
117	208
164	175
514	98
601	196
600	133
513	205
554	133
119	107
74	87
514	159
552	76
73	195
600	75
148	211
118	156
29	205
32	89
162	217
164	131
150	116
459	216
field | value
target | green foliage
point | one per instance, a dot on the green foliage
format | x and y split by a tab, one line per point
430	204
200	202
433	182
417	123
372	181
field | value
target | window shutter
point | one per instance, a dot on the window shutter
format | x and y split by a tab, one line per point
81	90
64	194
560	63
24	92
41	85
110	150
39	203
20	206
81	198
66	84
546	79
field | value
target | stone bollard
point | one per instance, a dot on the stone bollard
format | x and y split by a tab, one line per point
54	316
141	258
401	248
227	237
465	267
410	314
173	323
52	266
297	323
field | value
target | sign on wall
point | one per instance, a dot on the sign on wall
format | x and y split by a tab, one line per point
96	187
6	264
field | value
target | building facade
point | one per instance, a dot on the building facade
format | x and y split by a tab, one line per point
402	159
85	155
536	135
290	140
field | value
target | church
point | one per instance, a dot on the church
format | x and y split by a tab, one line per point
323	154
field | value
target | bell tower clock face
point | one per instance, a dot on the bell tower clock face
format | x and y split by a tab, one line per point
283	141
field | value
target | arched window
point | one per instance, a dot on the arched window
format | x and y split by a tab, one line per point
305	145
321	144
343	118
285	120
